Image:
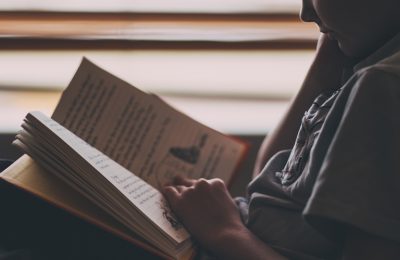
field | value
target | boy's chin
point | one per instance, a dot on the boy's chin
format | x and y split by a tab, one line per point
362	47
353	51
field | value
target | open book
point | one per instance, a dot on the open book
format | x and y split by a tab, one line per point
107	151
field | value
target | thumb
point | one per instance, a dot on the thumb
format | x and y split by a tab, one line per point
171	194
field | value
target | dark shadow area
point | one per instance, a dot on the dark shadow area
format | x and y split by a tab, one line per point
32	229
7	150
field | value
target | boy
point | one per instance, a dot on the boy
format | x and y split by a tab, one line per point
335	193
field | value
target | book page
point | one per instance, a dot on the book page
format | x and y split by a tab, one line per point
142	195
141	132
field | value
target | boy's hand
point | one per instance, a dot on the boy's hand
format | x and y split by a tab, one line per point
205	208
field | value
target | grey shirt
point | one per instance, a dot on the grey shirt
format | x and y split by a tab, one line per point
344	168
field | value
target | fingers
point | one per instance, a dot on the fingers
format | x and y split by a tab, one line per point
180	180
181	183
184	187
176	197
174	192
188	199
181	187
170	192
172	195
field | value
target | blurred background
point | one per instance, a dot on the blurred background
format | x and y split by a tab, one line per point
231	64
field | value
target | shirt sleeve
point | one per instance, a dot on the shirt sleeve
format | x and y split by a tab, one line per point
359	180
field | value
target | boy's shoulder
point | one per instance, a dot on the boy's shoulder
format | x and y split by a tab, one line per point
389	66
384	62
380	77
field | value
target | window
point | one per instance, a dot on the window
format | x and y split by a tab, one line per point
155	6
207	58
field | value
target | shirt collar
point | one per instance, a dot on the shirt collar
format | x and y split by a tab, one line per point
388	49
